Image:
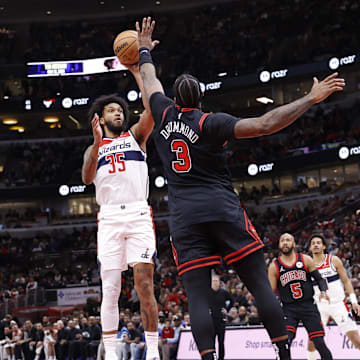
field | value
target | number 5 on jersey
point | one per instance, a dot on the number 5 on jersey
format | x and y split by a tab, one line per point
296	290
182	164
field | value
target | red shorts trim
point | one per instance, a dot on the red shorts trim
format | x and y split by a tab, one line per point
245	254
199	266
198	260
291	328
316	334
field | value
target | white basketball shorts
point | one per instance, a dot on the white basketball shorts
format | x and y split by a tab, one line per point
340	313
126	235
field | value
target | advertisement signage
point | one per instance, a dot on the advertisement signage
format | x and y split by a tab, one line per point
254	343
77	295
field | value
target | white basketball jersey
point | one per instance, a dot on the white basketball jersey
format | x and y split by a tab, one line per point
122	172
335	286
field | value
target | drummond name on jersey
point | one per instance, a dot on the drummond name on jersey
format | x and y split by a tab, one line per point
292	275
181	128
115	147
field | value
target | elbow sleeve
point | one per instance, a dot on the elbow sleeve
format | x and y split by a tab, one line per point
321	282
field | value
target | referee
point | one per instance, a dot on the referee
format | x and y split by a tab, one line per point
220	302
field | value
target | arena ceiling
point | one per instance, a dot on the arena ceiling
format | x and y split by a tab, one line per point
14	11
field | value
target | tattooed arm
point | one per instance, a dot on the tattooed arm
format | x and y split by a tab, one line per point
285	115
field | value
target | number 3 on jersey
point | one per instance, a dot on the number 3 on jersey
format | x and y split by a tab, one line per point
182	164
296	290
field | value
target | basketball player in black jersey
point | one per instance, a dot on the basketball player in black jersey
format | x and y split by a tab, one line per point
292	274
206	220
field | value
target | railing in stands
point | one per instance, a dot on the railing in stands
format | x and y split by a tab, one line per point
34	297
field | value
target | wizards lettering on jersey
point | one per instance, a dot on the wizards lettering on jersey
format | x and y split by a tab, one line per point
116	147
181	128
292	275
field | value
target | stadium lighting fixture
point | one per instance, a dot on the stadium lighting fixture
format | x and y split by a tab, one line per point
264	100
136	111
10	121
51	119
222	74
20	129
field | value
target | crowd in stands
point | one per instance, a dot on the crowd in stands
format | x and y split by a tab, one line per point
78	335
234	37
36	163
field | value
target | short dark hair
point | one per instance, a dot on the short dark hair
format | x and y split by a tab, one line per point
318	236
97	107
187	91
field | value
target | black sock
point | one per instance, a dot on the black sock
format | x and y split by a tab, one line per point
282	349
209	356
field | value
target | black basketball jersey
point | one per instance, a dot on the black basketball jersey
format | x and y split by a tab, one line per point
294	282
190	144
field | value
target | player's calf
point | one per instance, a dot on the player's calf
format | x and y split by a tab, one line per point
144	283
322	348
354	338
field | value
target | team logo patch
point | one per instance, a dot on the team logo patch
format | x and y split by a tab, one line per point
145	255
299	264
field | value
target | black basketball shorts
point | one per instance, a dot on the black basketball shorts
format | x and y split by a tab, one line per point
205	244
308	313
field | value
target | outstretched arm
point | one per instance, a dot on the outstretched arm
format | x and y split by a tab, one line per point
285	115
147	68
143	128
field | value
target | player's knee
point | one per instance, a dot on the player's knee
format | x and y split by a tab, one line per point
110	293
145	290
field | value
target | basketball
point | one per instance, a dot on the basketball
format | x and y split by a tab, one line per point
126	47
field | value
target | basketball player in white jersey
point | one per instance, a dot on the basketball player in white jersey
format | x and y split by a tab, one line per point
332	270
116	164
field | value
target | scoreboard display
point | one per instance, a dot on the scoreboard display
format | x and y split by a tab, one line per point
74	67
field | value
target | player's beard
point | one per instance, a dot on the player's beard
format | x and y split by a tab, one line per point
116	129
288	250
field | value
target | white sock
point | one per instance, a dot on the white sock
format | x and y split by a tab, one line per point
311	355
110	343
152	344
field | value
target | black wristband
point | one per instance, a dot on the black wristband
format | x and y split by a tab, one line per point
144	56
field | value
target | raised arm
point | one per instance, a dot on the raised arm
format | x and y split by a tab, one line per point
285	115
143	128
347	283
147	69
90	163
